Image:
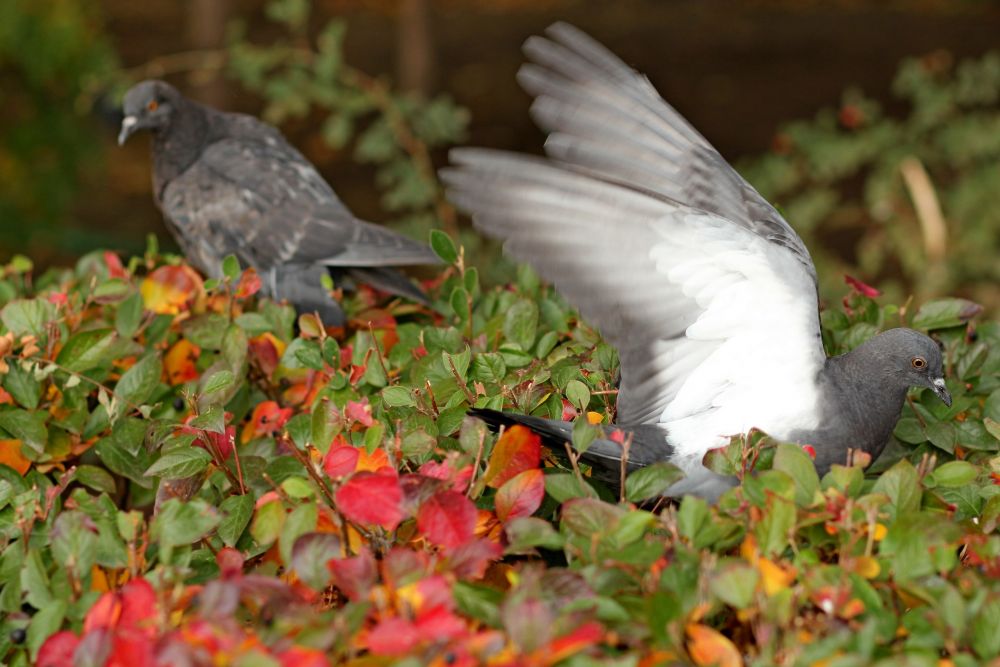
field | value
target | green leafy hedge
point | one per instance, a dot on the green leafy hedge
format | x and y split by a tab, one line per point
193	473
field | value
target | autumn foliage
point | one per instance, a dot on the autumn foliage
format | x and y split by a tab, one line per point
194	475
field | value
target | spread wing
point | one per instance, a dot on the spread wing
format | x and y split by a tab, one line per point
709	296
261	199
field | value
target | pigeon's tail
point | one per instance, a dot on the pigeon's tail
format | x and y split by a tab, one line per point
648	442
388	280
301	285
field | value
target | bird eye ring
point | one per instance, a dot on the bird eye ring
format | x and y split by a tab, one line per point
918	362
153	104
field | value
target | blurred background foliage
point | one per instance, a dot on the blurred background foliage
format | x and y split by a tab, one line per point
896	185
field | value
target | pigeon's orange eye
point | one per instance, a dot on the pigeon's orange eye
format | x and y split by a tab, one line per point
918	362
153	104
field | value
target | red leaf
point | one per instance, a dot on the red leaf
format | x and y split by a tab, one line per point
354	576
584	636
104	613
440	623
861	288
341	461
298	656
521	495
114	264
249	284
57	298
268	418
57	651
569	412
519	449
359	411
444	471
447	518
810	450
393	636
371	498
230	563
470	560
266	350
138	606
130	649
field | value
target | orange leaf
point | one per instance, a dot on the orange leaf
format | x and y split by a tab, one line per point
520	495
169	288
708	647
373	462
179	362
519	449
268	418
10	454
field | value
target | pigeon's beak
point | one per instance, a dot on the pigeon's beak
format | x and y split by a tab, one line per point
128	127
942	393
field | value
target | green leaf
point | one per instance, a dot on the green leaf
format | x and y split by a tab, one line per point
944	313
578	394
299	521
27	316
267	523
954	474
231	267
526	533
900	483
219	381
443	246
521	322
129	315
139	382
479	602
86	350
397	397
27	426
793	460
23	386
74	542
237	510
734	584
45	622
98	479
180	463
651	481
181	523
565	486
311	553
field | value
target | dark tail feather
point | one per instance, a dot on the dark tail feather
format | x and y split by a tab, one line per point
388	280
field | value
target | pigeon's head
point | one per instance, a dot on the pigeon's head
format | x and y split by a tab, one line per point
913	358
148	105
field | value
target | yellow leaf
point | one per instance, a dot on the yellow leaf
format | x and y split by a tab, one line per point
708	647
879	533
594	418
10	454
774	577
179	362
867	567
169	288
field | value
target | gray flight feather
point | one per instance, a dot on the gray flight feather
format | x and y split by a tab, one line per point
708	294
229	184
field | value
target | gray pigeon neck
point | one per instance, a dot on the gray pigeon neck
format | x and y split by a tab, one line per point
178	145
861	403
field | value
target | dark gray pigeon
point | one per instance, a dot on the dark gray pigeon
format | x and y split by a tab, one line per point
708	294
229	184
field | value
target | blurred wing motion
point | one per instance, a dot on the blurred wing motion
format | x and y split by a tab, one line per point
708	294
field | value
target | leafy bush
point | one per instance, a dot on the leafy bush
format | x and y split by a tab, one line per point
196	475
910	200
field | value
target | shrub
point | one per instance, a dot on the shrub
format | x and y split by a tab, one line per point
193	473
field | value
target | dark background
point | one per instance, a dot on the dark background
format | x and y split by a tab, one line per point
737	70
